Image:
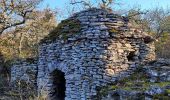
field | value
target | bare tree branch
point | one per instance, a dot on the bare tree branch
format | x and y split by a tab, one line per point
15	13
81	2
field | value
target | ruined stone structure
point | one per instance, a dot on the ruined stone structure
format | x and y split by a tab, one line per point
148	82
24	70
90	49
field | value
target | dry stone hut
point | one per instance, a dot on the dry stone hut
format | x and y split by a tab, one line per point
90	49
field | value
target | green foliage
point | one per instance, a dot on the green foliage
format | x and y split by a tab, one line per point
168	91
161	97
23	41
162	46
65	29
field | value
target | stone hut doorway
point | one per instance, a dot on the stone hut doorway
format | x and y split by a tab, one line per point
131	56
58	85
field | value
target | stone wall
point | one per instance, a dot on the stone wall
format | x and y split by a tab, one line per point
105	49
148	82
1	63
24	70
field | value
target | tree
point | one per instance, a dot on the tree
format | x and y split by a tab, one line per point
158	21
15	12
35	30
85	3
23	41
104	4
158	24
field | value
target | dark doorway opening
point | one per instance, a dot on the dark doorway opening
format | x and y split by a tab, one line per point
131	56
116	96
58	92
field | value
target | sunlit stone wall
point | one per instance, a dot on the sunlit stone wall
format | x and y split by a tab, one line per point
106	48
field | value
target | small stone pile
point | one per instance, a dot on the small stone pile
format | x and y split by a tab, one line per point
158	70
149	83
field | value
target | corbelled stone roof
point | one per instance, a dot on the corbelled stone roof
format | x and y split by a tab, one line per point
91	22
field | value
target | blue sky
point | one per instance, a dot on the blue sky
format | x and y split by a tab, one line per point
145	4
61	5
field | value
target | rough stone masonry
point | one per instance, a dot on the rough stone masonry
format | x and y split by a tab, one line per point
102	48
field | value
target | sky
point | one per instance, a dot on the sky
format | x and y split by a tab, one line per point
145	4
61	5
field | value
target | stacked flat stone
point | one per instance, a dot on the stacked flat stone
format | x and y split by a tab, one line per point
1	63
24	71
107	48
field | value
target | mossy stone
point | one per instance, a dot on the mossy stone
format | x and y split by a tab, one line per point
65	29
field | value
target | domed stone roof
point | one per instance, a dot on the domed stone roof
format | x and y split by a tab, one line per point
95	23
